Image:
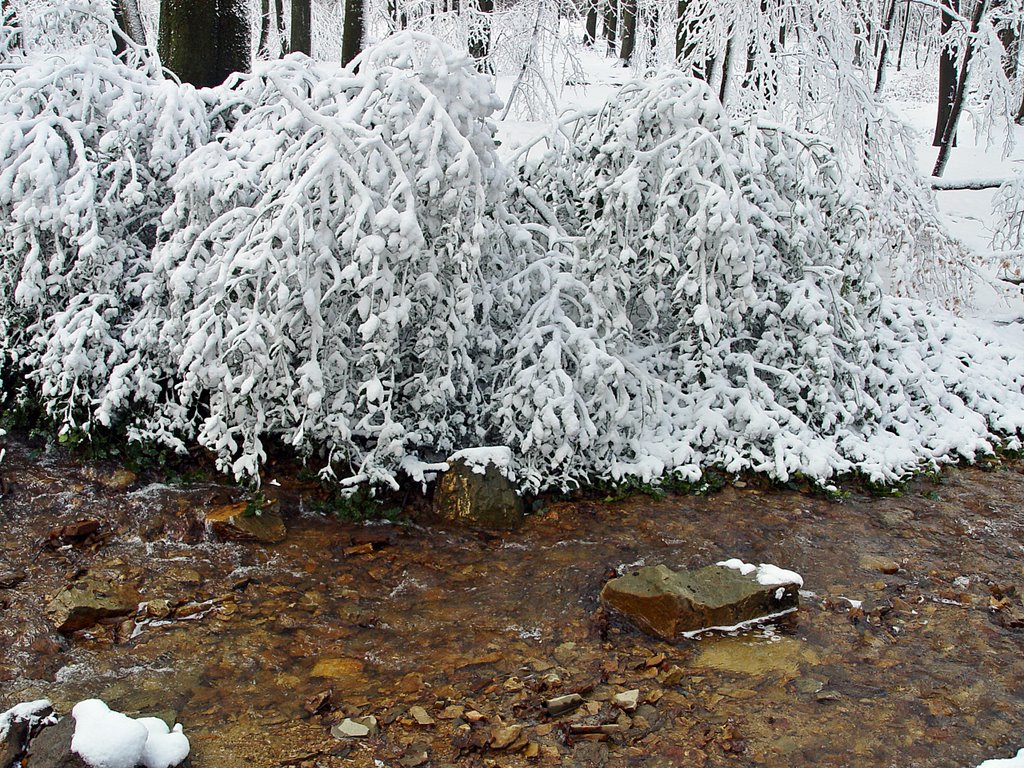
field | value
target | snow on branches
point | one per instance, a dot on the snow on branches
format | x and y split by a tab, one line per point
87	145
339	261
323	270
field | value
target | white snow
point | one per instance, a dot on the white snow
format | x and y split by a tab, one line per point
478	459
105	738
1017	761
766	574
739	627
28	710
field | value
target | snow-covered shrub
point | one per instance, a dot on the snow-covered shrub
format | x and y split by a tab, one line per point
87	144
324	271
736	253
1008	232
733	303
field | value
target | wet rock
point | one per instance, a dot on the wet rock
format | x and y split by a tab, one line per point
72	533
885	565
416	755
11	579
13	743
117	480
668	603
561	705
355	728
318	702
506	736
241	522
420	715
627	700
51	748
89	601
475	491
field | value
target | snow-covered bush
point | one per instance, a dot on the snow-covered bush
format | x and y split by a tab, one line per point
323	272
736	315
87	144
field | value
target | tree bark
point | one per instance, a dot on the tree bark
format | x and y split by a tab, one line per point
947	75
204	41
263	48
629	9
960	94
726	66
302	27
480	35
903	37
352	34
590	33
611	24
883	52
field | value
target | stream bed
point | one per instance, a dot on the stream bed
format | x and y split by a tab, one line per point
259	649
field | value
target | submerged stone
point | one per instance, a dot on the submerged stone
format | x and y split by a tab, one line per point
475	491
241	522
669	604
88	601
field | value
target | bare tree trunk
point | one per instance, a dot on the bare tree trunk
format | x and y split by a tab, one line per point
590	33
302	26
354	29
628	30
204	41
266	22
957	105
129	17
723	87
947	76
903	37
611	24
883	52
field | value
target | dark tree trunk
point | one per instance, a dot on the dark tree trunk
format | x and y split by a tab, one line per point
726	66
947	75
957	105
628	30
903	37
204	41
883	52
302	26
611	24
590	33
352	34
683	49
480	35
266	22
397	17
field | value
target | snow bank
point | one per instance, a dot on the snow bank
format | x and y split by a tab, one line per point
108	739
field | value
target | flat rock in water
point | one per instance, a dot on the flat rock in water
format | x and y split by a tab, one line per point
477	494
667	603
240	522
88	601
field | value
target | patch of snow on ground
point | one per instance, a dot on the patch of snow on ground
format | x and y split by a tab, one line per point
28	710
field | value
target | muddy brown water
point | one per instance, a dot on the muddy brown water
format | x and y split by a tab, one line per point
927	671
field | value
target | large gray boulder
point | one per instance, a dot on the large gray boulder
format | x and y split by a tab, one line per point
476	491
669	604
